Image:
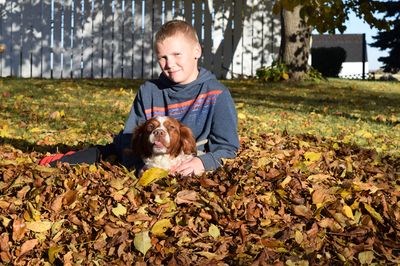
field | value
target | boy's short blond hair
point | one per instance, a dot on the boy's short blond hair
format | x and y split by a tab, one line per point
174	27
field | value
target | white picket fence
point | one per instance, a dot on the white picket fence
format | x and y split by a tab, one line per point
114	38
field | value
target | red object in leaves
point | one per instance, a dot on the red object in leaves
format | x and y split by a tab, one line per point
48	159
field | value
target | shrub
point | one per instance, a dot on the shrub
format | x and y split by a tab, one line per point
275	72
279	72
314	75
328	61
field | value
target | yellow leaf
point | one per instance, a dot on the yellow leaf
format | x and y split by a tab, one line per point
92	168
208	255
52	253
374	214
23	160
100	215
242	116
318	178
152	175
162	199
298	236
117	183
366	257
142	242
39	226
364	134
160	227
348	212
312	157
336	146
35	130
360	186
119	210
285	76
7	162
57	226
286	181
213	230
34	214
4	131
239	105
45	169
262	162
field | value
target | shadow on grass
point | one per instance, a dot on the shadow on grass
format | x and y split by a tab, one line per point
105	84
26	146
345	101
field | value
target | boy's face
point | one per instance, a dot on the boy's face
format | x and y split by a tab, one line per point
177	56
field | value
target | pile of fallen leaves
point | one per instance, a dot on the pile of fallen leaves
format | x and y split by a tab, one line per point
284	200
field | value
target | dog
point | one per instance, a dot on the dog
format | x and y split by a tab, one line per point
163	142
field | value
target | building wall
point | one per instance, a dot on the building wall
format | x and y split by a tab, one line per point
353	70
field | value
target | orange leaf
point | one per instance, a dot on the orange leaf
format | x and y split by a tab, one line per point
19	229
57	204
28	246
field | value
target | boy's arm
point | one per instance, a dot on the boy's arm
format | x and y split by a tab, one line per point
136	114
223	141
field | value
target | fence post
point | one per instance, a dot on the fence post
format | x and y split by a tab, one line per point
364	53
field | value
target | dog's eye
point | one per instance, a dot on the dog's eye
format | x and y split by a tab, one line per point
171	127
150	127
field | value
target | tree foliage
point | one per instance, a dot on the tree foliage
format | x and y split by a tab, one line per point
390	39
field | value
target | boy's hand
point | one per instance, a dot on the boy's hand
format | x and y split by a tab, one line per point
193	166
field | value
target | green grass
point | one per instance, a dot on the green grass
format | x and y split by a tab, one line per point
356	112
53	113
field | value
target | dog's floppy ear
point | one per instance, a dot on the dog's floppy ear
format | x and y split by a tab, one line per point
140	144
188	143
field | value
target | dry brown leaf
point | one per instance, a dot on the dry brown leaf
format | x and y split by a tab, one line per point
57	203
186	197
69	197
19	229
28	246
333	209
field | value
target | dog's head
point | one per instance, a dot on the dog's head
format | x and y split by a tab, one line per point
163	135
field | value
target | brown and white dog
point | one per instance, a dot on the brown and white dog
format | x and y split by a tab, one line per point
163	142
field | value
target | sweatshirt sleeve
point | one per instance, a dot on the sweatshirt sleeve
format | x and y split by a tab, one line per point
223	141
136	114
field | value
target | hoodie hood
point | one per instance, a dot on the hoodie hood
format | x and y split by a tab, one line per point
185	90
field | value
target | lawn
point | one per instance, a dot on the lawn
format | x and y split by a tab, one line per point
316	180
363	113
87	112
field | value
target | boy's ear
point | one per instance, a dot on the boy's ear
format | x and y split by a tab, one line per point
197	51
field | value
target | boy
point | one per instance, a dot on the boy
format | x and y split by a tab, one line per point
184	91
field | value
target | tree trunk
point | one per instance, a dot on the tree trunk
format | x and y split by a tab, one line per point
295	43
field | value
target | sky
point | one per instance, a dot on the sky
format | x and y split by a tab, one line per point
356	25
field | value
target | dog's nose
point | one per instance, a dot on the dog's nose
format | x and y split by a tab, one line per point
159	132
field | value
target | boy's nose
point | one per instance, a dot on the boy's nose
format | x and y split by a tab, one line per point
169	62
